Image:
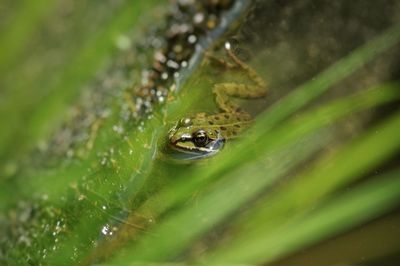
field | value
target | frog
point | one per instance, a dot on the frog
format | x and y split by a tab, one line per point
204	135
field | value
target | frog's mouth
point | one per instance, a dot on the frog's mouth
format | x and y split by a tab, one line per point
192	152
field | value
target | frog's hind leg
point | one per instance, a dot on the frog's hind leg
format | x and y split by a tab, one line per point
261	87
223	92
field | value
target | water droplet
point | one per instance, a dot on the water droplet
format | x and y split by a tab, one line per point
198	18
164	76
172	64
118	129
123	42
228	45
192	39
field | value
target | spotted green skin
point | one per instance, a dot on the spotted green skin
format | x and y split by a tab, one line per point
220	127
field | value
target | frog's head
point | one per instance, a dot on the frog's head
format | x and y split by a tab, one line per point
189	141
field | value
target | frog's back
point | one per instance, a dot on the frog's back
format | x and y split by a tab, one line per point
229	125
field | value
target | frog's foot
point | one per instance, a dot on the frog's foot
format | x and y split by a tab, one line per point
238	64
223	92
261	85
219	61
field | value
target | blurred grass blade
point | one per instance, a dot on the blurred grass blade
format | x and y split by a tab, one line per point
339	214
91	57
306	191
288	133
237	187
282	110
322	82
24	23
173	235
309	91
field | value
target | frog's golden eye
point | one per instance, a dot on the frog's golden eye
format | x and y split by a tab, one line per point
200	138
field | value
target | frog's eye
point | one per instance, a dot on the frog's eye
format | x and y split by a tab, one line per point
200	138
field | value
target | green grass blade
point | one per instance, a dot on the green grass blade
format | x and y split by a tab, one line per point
238	186
308	189
274	140
339	214
81	68
309	91
284	108
24	23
